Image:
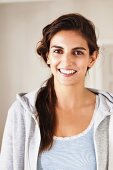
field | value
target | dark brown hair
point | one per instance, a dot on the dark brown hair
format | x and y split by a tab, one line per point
46	99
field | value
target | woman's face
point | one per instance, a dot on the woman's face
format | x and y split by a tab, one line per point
69	57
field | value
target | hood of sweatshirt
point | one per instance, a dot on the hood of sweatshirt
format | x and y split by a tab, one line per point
28	100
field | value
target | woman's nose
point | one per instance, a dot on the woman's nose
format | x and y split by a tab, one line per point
67	58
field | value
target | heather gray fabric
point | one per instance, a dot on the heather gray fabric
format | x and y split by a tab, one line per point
21	139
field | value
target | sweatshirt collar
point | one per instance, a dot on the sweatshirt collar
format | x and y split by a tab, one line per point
28	101
105	101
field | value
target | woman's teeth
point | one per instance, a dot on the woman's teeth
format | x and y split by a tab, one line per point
67	71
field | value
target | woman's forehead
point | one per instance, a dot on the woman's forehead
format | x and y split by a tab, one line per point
68	38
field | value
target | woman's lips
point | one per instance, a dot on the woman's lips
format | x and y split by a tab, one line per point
67	72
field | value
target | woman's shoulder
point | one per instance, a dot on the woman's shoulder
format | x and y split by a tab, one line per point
105	99
24	102
105	93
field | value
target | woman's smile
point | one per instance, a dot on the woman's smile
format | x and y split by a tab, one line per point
67	72
69	57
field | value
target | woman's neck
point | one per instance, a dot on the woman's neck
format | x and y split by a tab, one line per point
72	97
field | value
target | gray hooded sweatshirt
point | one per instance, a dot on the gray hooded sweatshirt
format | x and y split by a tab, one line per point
21	139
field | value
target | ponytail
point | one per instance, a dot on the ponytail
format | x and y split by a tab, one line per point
45	105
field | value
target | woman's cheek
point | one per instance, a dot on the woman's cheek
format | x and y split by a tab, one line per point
54	60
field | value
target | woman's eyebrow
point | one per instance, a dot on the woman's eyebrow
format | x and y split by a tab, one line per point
79	48
76	48
56	46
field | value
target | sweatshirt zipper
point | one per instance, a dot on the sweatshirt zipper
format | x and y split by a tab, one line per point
36	121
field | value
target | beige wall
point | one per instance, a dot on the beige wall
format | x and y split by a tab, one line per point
20	29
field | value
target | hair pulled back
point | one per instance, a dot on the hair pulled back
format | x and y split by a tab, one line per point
46	99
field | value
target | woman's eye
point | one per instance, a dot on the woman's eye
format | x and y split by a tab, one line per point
58	51
78	53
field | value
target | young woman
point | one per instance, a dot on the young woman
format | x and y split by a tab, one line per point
63	125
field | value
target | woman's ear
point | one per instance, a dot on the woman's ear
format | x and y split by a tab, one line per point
48	61
93	59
